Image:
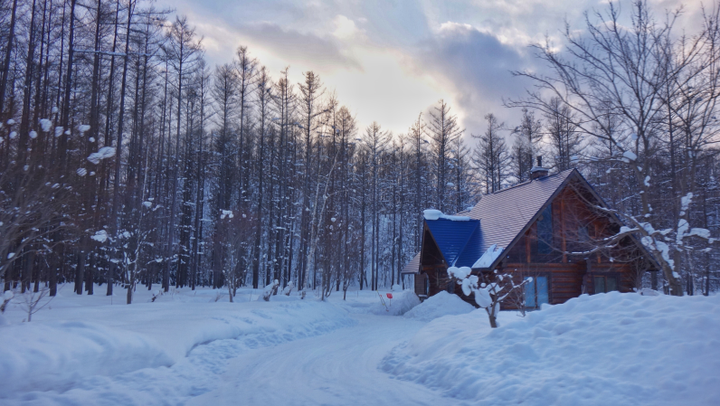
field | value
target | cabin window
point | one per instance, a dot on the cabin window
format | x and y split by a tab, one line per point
604	284
584	233
545	231
536	292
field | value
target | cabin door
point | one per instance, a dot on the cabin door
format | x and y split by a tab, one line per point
536	292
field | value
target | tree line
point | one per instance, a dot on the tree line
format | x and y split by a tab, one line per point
126	160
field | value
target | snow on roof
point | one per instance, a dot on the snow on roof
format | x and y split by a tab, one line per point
489	257
432	214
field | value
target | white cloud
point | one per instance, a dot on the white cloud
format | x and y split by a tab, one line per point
388	61
388	91
345	28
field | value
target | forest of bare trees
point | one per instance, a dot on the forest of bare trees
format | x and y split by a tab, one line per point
127	161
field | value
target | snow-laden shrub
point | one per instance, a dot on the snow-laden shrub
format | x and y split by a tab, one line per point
270	290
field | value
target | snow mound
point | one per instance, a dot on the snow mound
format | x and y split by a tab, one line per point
400	304
42	357
439	305
607	349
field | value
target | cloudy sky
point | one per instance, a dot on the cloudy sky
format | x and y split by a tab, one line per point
389	60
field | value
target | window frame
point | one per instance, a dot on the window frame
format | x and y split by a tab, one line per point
605	277
544	231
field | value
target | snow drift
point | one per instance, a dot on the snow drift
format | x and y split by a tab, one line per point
441	304
35	356
400	304
607	349
49	355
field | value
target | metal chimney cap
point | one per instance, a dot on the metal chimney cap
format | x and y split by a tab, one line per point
538	171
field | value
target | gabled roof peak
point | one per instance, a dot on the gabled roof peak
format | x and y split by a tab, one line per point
529	181
505	214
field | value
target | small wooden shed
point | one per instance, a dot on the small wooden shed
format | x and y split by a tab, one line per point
551	228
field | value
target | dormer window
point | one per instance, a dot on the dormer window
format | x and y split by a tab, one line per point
545	231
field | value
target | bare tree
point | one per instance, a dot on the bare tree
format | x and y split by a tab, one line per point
527	145
491	157
627	73
311	92
563	137
443	130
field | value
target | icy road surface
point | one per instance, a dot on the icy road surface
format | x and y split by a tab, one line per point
339	368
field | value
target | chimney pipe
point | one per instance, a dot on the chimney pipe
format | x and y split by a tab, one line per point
538	171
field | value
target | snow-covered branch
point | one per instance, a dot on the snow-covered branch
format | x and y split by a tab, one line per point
489	292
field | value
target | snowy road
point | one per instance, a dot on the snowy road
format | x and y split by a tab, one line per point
339	368
190	349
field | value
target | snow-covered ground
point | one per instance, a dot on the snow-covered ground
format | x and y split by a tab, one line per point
195	348
608	349
97	350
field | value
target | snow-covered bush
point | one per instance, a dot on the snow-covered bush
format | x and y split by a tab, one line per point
7	297
489	292
270	290
288	289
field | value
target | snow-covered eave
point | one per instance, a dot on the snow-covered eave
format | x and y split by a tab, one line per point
412	267
432	215
489	259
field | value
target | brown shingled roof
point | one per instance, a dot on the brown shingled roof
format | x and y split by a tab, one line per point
505	214
413	266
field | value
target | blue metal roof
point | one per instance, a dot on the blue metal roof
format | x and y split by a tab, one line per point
457	240
472	250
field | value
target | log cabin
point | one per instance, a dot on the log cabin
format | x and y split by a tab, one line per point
551	230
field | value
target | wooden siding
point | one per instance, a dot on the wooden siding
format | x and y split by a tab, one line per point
432	264
420	285
571	275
